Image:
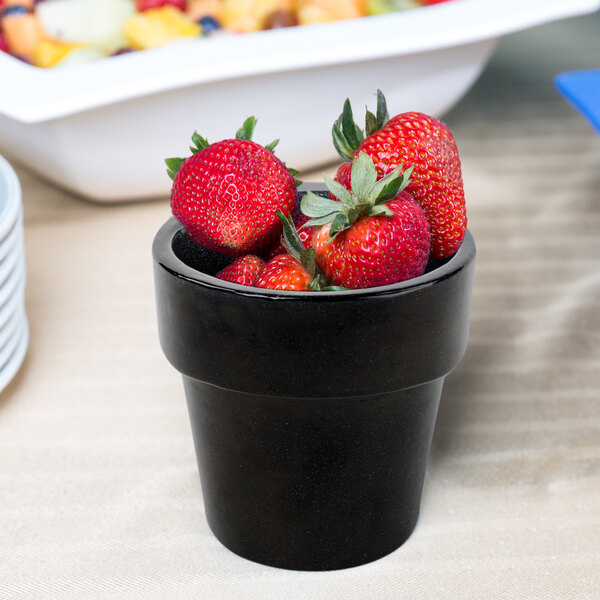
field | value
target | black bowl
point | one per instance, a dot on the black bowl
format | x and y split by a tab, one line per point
312	412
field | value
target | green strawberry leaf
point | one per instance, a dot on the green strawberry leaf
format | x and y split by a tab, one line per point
343	148
406	174
319	283
317	206
392	184
199	143
295	172
389	186
350	129
381	209
290	240
367	197
363	175
306	256
339	223
338	190
374	123
355	213
247	129
271	147
307	260
371	125
317	221
382	112
173	165
314	285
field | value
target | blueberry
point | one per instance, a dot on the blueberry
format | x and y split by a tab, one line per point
14	10
209	25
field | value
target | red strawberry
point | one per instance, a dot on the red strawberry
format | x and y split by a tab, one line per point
226	194
243	270
3	43
294	270
284	272
415	140
143	5
376	235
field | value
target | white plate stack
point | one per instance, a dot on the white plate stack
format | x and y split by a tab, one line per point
14	328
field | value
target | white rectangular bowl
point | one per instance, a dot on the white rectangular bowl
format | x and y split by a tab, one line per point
102	130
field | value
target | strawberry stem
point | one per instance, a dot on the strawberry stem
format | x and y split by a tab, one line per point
373	123
367	198
347	135
291	241
173	165
199	143
271	147
246	131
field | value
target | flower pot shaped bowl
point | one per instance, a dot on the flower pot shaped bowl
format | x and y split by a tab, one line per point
312	413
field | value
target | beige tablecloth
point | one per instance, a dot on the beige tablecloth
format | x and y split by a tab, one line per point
99	492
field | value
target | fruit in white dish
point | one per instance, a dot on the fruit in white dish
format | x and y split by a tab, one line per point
81	56
90	22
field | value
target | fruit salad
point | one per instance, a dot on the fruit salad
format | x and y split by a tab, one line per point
394	208
60	33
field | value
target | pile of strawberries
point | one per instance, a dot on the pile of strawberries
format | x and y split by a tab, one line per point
395	203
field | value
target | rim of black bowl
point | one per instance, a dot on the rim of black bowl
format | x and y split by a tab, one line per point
165	256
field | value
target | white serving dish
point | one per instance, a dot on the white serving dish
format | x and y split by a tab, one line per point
103	129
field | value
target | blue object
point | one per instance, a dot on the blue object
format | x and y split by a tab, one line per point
209	25
582	89
14	10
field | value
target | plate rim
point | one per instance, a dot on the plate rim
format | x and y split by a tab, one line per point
13	298
14	362
9	327
11	344
13	239
10	212
9	262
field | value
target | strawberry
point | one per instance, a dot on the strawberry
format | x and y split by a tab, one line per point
243	270
426	144
143	5
226	194
377	234
284	272
296	269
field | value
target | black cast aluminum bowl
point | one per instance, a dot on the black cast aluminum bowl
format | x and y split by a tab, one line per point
312	412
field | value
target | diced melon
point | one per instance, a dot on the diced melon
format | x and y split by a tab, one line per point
158	26
249	15
322	11
30	4
80	56
380	7
94	22
49	52
196	9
